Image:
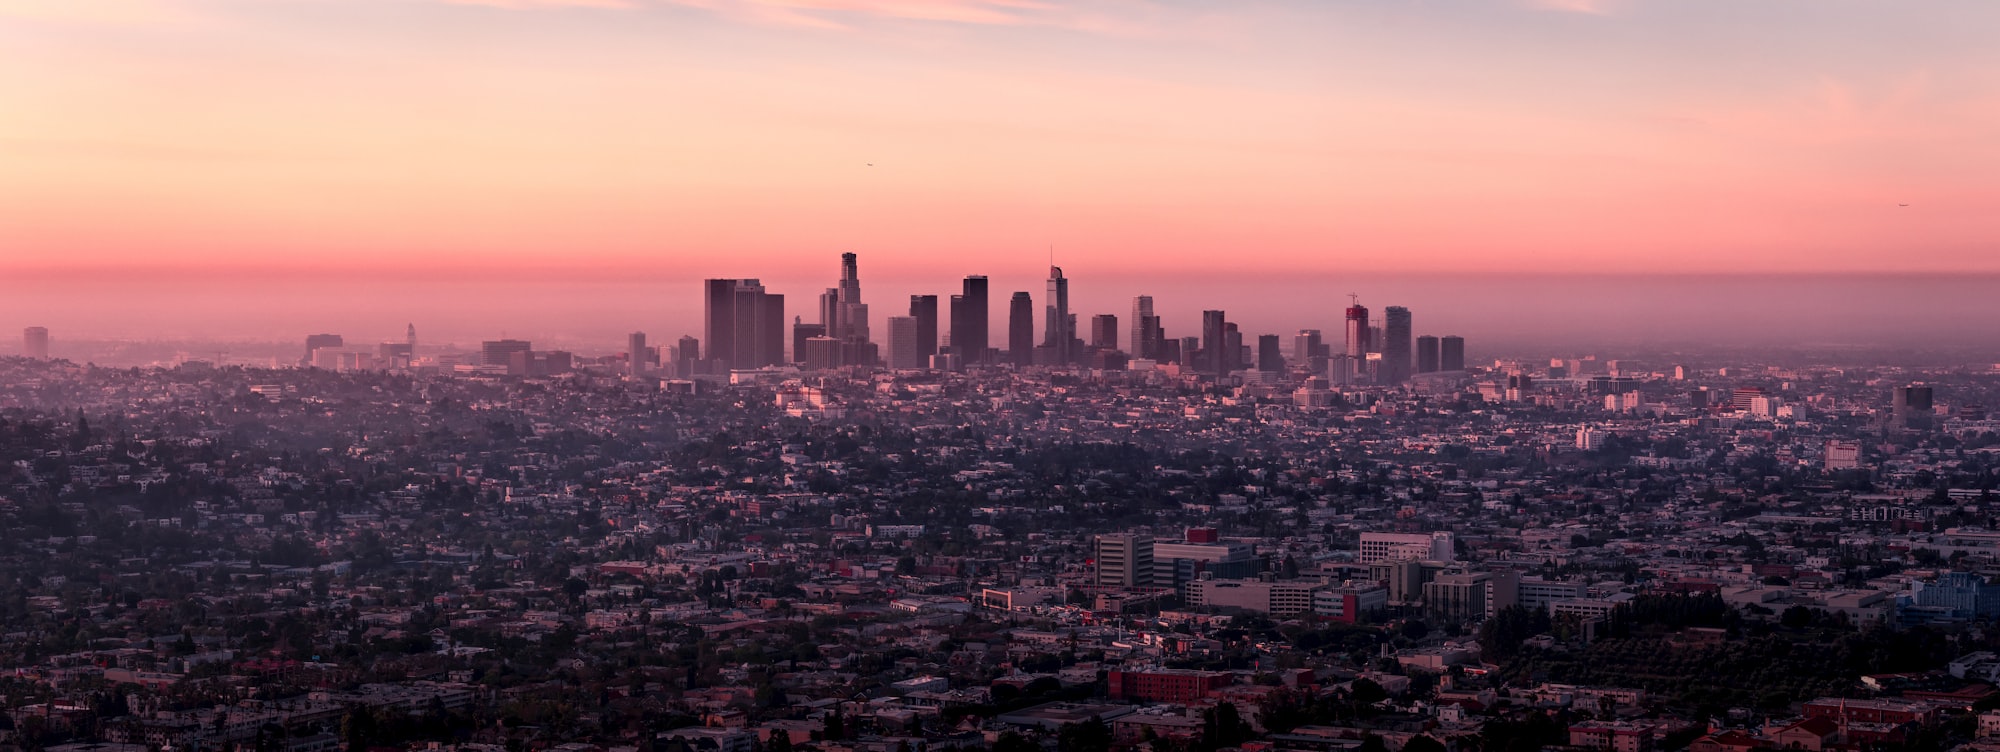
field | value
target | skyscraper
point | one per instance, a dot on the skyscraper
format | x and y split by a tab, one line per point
635	351
1427	354
744	325
1058	327
1215	343
1357	331
1395	345
1911	407
1269	355
970	314
1124	561
317	342
802	333
1021	329
924	309
1143	344
1451	353
850	313
685	355
35	343
1305	345
1104	331
500	352
905	347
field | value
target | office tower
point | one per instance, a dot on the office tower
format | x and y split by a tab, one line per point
1214	343
1124	561
801	332
771	331
1357	332
500	352
1143	322
842	312
906	348
1395	345
924	309
635	351
1427	354
1305	345
1058	327
719	320
317	342
1232	345
1269	356
35	343
1021	329
688	353
1451	353
1190	353
1912	407
745	326
410	334
1104	331
969	321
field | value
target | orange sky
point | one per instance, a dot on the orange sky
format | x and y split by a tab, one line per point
735	137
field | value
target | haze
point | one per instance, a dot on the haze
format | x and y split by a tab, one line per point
571	168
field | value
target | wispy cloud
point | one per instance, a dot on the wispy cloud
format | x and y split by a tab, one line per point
117	12
1589	7
525	4
834	14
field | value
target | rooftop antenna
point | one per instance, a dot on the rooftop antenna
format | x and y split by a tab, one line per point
1353	299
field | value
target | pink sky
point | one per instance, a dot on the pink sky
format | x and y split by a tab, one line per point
734	137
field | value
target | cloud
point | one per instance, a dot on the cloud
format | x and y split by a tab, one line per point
526	4
113	12
1588	7
834	14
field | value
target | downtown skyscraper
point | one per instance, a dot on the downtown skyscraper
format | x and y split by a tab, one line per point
1021	329
924	308
970	319
1146	331
1395	345
743	324
1058	326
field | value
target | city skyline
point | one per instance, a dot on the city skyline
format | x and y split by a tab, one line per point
527	138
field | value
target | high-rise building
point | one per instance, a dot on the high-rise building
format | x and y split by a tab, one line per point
1269	355
924	308
500	352
1357	340
317	342
803	332
1912	407
1305	345
1021	329
1451	353
1058	327
1143	323
1232	345
906	350
35	343
1124	561
745	326
1215	343
970	312
850	313
1104	331
1427	354
635	351
1395	345
686	354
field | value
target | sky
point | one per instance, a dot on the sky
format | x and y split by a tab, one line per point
220	146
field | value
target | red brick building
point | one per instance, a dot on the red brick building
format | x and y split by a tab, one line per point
1166	685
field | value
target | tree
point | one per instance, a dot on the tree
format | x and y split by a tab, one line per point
1013	741
781	741
1089	736
1423	743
